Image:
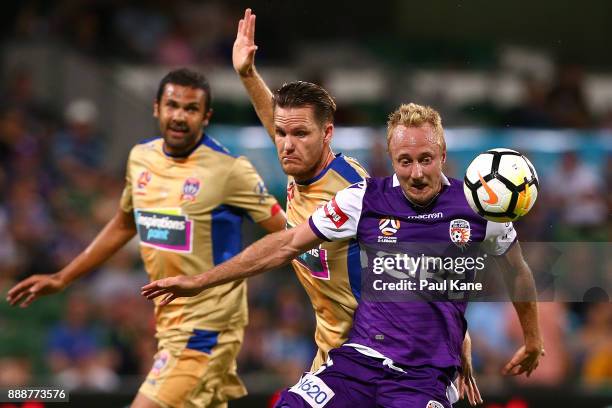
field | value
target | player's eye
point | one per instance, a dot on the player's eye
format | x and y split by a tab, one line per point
426	160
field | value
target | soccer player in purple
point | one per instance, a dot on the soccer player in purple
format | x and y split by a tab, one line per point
399	353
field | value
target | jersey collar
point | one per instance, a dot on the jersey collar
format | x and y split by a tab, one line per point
338	156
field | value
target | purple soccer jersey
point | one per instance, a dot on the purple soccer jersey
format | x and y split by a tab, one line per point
377	213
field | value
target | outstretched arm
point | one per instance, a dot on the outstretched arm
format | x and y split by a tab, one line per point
522	288
117	232
270	252
243	58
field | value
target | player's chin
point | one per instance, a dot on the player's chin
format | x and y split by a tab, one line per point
179	141
420	195
292	168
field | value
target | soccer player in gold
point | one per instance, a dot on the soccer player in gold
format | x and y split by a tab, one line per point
299	119
185	196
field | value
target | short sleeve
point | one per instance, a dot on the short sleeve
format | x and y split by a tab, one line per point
338	218
126	204
499	237
246	190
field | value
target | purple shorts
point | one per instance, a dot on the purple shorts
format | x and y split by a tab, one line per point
350	379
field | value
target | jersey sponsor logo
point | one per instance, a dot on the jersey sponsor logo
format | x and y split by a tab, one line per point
492	197
460	232
313	390
315	261
434	404
335	214
388	227
431	216
165	229
191	188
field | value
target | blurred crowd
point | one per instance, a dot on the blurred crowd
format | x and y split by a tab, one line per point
188	32
56	193
167	33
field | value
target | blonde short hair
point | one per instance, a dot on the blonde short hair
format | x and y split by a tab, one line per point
413	115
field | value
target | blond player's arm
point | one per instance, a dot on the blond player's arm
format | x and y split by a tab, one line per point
117	232
519	280
243	59
270	252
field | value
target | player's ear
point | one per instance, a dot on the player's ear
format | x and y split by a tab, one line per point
155	109
328	132
207	117
443	156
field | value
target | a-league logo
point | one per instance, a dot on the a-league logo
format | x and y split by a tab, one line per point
389	226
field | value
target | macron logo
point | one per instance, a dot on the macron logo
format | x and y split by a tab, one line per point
334	213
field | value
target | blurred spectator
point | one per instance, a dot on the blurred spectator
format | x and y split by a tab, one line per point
606	121
79	146
583	211
608	183
8	254
75	352
31	225
15	372
140	30
566	101
379	158
533	111
174	48
594	346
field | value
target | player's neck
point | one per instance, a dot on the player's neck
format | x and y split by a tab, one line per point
182	153
325	161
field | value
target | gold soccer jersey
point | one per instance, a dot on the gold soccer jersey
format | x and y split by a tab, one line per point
188	213
330	273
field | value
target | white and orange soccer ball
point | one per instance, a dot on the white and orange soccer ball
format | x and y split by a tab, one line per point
501	185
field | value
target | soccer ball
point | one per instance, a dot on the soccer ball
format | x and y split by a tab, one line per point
501	185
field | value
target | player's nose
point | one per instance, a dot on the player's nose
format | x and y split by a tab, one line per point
416	172
178	115
289	145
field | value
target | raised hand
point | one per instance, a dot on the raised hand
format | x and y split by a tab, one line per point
525	360
243	53
30	289
172	288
